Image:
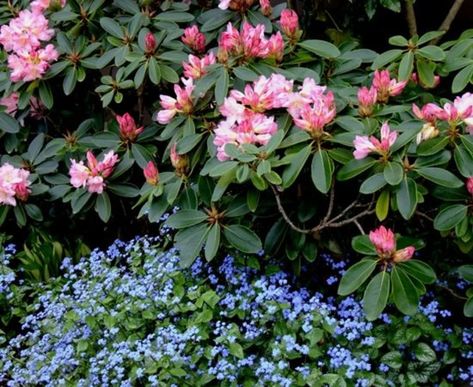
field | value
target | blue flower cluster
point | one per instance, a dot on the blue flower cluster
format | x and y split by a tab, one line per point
131	315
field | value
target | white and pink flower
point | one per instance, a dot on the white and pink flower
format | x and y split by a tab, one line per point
385	86
196	67
365	145
194	39
92	176
14	184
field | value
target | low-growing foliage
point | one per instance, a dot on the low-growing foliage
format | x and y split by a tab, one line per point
131	315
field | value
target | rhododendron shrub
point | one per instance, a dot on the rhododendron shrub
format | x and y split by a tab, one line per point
263	138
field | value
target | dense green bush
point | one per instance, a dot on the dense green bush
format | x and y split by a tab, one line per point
131	316
269	140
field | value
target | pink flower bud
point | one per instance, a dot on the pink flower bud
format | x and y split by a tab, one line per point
179	162
404	254
151	173
383	240
92	162
366	100
194	39
265	7
469	185
289	23
150	43
128	129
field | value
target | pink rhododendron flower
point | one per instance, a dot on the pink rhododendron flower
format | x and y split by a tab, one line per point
276	47
385	86
128	128
39	6
365	145
181	104
30	65
469	185
384	242
255	128
25	32
151	173
94	174
366	100
430	112
196	68
79	174
11	103
194	39
289	23
427	132
95	184
312	108
14	184
224	4
464	106
264	94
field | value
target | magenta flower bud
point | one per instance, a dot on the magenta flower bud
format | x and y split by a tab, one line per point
151	173
404	254
383	240
128	129
150	43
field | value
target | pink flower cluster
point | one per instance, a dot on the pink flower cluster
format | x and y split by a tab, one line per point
245	121
93	174
196	67
249	43
381	89
461	110
194	39
365	145
384	242
23	38
14	184
181	104
311	108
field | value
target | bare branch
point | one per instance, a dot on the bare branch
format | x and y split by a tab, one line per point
452	292
284	214
425	216
357	224
411	17
350	220
330	204
447	22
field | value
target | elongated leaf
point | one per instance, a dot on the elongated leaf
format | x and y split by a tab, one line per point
213	242
321	48
440	176
420	270
322	171
363	245
186	218
242	238
450	216
8	124
404	292
298	161
373	183
406	197
393	173
376	295
355	167
382	205
189	242
406	66
356	275
103	206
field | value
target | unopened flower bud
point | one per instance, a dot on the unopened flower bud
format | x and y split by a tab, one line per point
469	185
179	162
151	173
150	43
128	129
289	23
404	254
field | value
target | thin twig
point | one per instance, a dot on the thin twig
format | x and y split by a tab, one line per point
330	204
350	220
333	21
357	224
452	292
425	216
447	22
411	17
284	214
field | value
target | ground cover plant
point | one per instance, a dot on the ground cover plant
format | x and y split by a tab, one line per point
250	134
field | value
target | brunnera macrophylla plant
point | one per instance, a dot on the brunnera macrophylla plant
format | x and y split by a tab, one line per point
261	138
